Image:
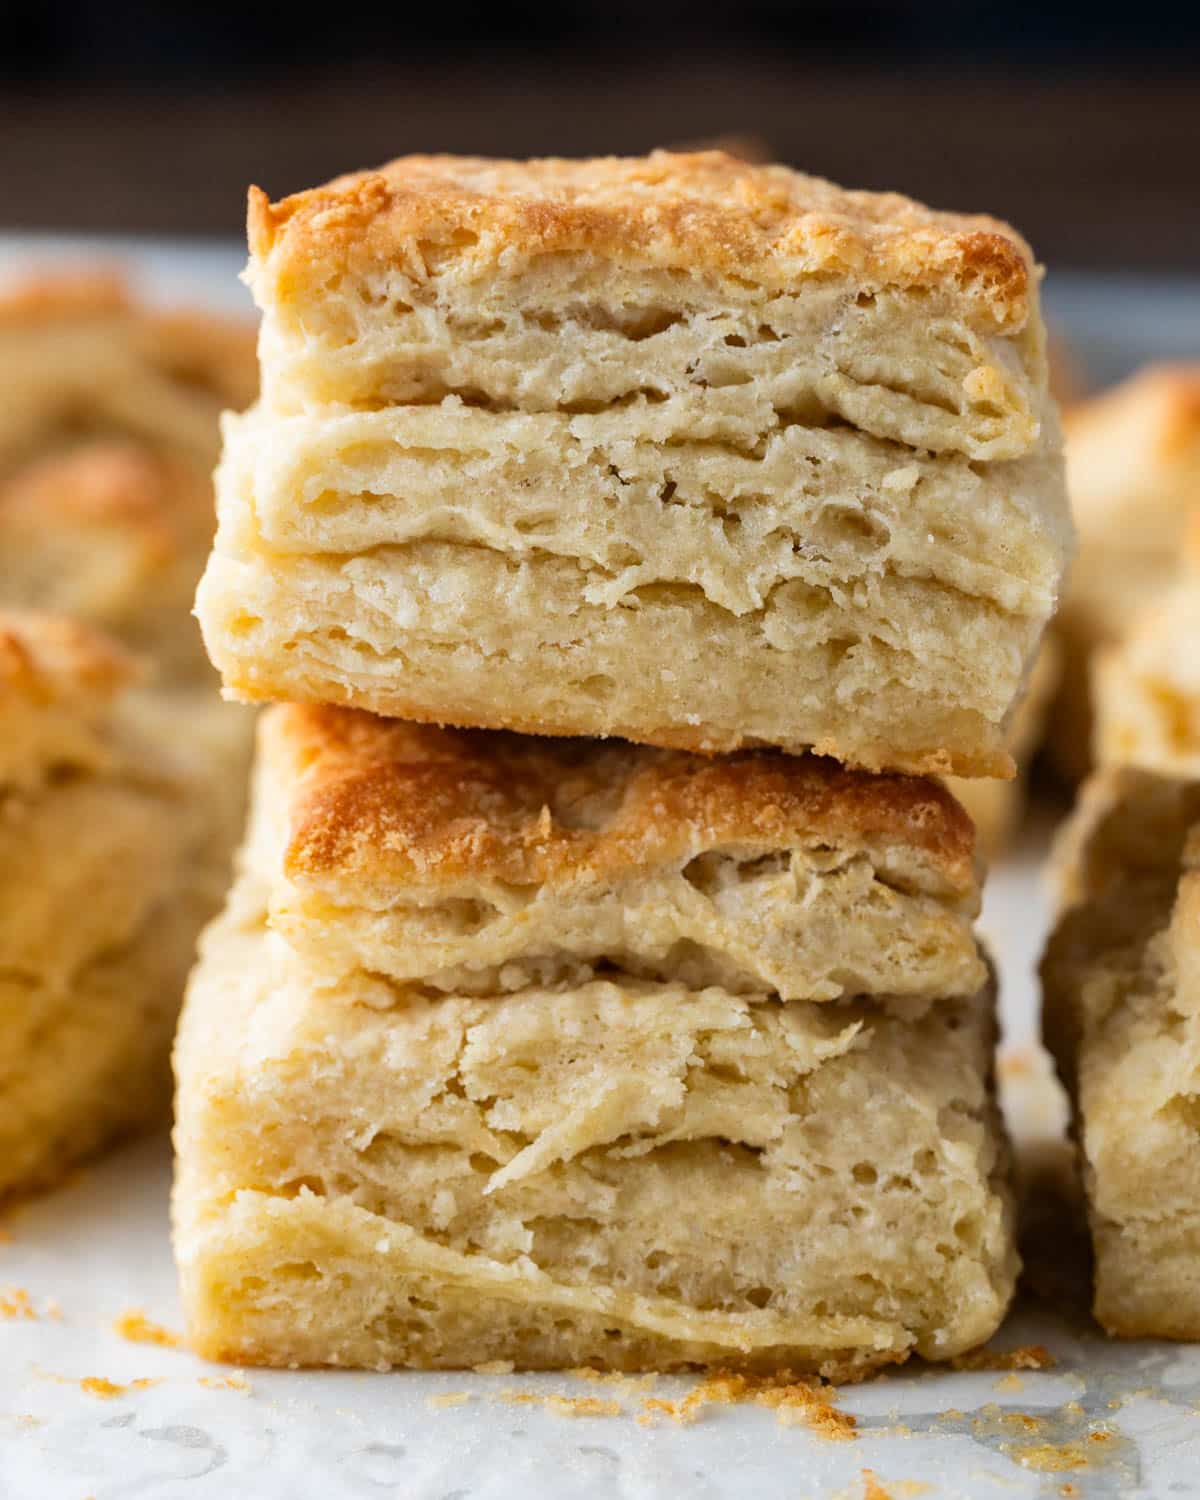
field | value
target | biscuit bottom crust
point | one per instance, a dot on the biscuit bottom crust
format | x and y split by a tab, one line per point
628	1174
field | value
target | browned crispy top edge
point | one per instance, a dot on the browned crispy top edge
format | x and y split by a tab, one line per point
693	211
387	802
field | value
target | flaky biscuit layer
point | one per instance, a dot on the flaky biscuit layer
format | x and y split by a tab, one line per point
460	1180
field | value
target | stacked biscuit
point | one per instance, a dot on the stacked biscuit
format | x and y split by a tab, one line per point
664	1049
121	772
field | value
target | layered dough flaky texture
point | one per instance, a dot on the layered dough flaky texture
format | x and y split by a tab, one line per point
633	1174
545	284
110	862
1121	979
480	863
108	436
687	451
537	573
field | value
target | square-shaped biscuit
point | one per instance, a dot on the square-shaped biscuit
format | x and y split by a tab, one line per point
108	435
479	863
1121	979
109	866
632	1174
681	449
1133	472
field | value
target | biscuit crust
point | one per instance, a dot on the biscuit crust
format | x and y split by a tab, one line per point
386	801
698	211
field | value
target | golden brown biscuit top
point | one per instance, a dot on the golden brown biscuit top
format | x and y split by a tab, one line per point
704	210
48	659
388	801
208	352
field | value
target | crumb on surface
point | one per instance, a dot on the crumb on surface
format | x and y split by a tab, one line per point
233	1382
565	1406
792	1401
449	1398
872	1489
626	1384
494	1367
134	1325
1010	1382
16	1303
109	1390
1025	1357
1050	1458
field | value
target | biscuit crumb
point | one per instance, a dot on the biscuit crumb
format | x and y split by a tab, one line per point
449	1398
52	1308
134	1325
1050	1458
1026	1357
235	1382
16	1303
495	1367
1010	1382
565	1406
627	1384
109	1390
872	1489
792	1401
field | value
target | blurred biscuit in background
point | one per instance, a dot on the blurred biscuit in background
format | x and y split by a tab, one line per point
1122	1018
109	431
1133	473
1147	687
109	866
108	436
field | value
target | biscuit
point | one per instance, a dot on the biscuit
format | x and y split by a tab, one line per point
479	863
1147	686
995	807
1133	472
1121	990
523	424
108	869
108	436
631	1174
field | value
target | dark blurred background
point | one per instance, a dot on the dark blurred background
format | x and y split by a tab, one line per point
1082	125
